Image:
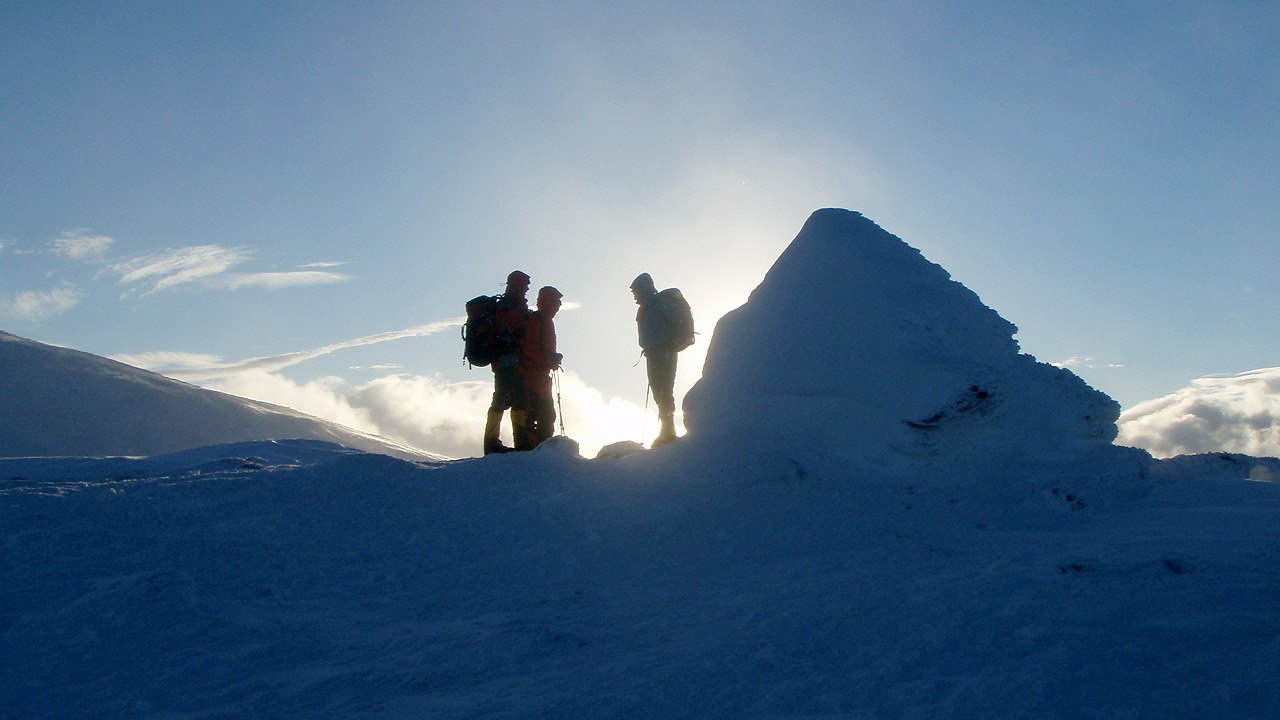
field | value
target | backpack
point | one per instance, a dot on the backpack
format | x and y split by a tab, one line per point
482	336
679	317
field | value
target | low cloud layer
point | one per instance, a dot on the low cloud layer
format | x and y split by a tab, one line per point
436	416
420	411
1239	413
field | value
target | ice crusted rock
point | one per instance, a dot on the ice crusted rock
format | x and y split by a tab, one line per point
855	342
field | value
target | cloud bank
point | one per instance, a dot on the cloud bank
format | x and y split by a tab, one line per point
1238	413
424	412
436	416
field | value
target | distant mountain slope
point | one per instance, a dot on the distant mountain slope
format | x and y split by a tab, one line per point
56	401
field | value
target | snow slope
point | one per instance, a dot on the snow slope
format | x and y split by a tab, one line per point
999	560
59	401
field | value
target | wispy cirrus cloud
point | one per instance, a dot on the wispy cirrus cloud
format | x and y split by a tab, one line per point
80	245
162	361
211	265
35	306
191	366
1084	361
281	280
171	268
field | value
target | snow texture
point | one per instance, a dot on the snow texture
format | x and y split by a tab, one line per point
803	553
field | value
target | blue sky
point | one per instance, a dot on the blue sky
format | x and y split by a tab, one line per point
237	180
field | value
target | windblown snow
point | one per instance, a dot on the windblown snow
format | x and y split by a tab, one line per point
882	510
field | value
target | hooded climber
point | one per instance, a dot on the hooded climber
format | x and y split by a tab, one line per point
665	327
538	358
509	392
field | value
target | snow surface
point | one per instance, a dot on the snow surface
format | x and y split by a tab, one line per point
803	553
59	401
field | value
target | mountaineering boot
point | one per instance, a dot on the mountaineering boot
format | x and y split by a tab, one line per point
492	425
666	431
520	430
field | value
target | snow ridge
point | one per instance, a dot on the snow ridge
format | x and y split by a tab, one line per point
63	402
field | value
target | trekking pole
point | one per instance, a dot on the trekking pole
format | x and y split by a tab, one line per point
644	424
559	407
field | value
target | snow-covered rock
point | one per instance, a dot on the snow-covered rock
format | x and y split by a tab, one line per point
855	343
